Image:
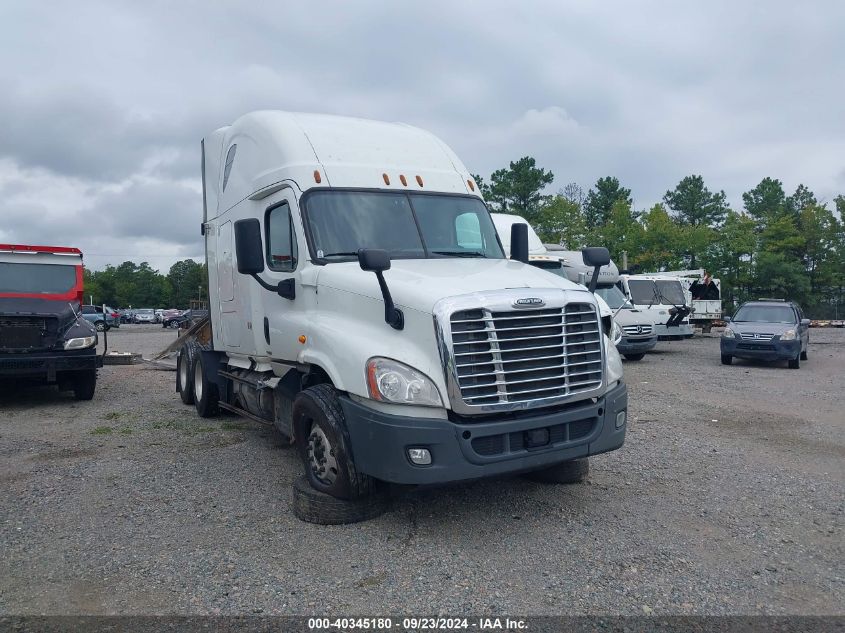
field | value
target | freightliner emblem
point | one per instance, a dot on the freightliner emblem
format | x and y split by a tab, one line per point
529	302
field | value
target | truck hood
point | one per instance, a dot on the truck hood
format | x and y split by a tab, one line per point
420	283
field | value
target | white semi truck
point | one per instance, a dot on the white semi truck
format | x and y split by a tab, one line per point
361	302
662	299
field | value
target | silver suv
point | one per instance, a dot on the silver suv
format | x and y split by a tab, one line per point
767	329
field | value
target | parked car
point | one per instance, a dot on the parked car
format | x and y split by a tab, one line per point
159	312
769	330
144	315
126	315
102	321
171	318
187	318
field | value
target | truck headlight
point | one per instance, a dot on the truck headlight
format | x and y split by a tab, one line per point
789	335
391	381
728	333
616	333
614	363
81	343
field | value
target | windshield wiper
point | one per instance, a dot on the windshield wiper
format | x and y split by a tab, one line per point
349	254
460	253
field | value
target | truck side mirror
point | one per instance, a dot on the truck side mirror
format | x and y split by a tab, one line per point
248	247
375	260
519	242
595	256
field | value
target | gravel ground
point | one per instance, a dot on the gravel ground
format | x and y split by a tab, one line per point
726	499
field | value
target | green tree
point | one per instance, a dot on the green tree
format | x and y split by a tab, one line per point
659	240
621	231
695	205
518	189
562	222
800	200
599	203
731	259
766	201
188	280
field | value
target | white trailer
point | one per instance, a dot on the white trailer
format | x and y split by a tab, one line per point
704	311
360	301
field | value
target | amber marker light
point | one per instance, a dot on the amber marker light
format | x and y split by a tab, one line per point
302	338
403	180
386	179
419	181
471	185
317	178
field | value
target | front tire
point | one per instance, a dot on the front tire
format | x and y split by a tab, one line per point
84	384
634	356
206	394
100	326
795	363
314	506
185	375
727	359
323	444
571	472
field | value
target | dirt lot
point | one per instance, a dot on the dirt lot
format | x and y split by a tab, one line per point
726	498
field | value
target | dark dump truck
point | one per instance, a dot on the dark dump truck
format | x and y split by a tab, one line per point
43	336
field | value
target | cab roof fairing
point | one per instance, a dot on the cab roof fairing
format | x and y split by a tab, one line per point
275	146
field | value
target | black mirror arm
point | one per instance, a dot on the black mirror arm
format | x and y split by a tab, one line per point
392	315
595	279
285	288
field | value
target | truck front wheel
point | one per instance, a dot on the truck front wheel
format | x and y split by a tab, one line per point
206	394
84	383
634	356
323	444
571	472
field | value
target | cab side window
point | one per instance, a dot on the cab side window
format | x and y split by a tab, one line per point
281	240
88	310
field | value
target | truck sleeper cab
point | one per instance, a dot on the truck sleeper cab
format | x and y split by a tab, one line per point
360	300
43	335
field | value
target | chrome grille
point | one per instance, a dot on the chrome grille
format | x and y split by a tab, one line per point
503	357
637	330
756	336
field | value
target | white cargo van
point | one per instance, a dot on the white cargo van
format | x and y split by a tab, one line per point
361	302
661	298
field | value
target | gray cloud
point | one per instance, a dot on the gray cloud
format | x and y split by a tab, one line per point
105	103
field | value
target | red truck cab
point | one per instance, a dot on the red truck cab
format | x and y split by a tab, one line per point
43	336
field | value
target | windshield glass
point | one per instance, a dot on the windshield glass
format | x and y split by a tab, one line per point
765	314
612	296
407	226
670	291
45	279
642	291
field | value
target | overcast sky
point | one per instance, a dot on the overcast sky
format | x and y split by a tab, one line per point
104	104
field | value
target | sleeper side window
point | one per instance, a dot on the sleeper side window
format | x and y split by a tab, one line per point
281	239
230	158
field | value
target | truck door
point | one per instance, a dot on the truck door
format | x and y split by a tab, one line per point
282	261
231	313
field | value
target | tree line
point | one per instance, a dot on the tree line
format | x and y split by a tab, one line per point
778	245
140	286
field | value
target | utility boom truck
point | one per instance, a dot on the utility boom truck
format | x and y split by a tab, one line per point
361	302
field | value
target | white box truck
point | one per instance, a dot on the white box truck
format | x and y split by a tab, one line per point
361	302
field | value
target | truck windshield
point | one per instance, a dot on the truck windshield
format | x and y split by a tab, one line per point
670	291
643	291
45	279
765	314
406	225
612	296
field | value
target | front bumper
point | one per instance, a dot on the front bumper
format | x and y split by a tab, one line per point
684	329
47	364
460	451
760	350
636	346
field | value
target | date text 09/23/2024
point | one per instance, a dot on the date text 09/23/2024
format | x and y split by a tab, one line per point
417	624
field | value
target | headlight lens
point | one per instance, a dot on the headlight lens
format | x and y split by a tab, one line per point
789	335
728	333
391	381
616	333
614	363
81	343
